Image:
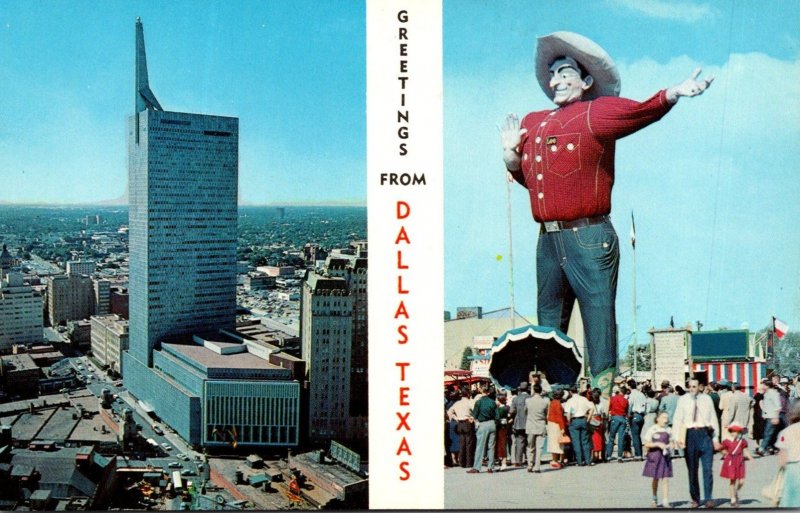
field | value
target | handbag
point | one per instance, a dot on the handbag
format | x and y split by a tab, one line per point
774	490
595	421
565	440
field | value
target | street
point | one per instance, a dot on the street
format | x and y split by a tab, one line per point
608	485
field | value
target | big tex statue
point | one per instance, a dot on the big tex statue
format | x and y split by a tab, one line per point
565	158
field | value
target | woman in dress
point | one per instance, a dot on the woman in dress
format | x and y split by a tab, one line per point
598	426
789	458
658	464
735	452
758	418
502	415
556	428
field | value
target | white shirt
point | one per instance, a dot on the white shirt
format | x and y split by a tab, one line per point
685	418
577	406
637	402
651	432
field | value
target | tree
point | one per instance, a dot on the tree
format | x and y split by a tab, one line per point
643	357
465	358
786	359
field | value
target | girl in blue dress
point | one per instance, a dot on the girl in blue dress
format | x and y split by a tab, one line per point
658	463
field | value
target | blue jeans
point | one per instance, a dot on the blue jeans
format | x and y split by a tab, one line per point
616	429
581	263
699	451
637	421
579	432
485	437
770	434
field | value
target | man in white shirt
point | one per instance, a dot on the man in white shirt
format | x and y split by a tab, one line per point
578	409
695	427
637	403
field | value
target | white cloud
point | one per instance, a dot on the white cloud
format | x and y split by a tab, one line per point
687	12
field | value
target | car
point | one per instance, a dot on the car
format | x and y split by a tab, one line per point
166	446
157	430
174	464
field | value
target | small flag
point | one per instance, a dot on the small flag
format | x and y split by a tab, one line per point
633	232
779	327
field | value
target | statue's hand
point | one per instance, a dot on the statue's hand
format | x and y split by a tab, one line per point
689	87
511	133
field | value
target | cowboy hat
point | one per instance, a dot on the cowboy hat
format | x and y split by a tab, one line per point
588	54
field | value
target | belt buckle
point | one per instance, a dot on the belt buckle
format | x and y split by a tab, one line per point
551	226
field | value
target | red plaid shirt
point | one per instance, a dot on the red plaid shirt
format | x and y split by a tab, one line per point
568	153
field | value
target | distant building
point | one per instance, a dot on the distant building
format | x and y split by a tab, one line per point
274	270
313	253
118	301
102	296
259	281
7	262
109	336
20	313
92	220
79	267
80	334
69	297
333	331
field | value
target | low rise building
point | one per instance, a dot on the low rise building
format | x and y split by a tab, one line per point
219	391
20	375
109	338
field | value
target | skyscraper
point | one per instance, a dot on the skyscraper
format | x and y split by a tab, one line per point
333	331
183	178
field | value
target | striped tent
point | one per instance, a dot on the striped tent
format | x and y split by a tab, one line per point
748	374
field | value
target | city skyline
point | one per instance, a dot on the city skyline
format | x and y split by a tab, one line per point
712	197
70	69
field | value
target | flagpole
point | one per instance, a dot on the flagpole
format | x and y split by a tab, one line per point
635	341
510	256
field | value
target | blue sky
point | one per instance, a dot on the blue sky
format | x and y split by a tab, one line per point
293	72
713	185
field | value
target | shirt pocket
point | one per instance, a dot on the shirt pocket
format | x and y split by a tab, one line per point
563	154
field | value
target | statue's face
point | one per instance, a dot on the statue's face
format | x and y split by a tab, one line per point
567	84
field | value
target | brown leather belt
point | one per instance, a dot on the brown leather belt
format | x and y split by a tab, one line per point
557	226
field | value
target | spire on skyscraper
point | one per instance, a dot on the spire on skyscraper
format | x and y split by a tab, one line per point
145	99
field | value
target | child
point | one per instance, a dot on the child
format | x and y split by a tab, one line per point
658	463
736	452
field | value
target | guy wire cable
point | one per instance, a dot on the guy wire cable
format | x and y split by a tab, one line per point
719	161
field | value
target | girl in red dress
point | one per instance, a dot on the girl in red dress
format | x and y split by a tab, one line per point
735	451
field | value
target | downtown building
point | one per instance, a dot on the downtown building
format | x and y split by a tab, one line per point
333	331
185	363
70	297
20	313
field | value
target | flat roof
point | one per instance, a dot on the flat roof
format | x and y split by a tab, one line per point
211	359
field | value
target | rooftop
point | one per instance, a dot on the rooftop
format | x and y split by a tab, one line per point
211	359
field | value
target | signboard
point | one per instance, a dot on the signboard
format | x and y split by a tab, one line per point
711	345
670	356
482	349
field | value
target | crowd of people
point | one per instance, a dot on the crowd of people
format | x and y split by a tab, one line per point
500	429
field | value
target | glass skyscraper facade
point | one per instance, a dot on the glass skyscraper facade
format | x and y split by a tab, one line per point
183	178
